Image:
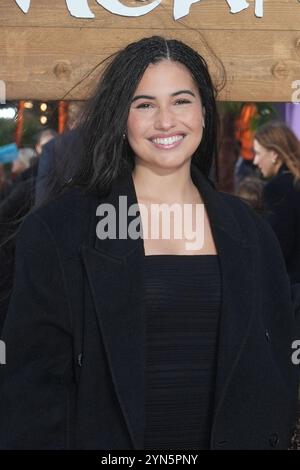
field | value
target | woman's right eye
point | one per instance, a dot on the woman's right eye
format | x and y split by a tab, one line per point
144	106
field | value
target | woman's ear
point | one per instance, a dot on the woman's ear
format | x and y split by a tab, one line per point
275	157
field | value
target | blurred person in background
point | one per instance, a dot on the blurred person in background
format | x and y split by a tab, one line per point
244	135
13	208
52	162
277	155
42	139
22	163
26	165
251	191
2	177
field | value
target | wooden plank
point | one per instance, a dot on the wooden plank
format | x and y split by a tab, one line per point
207	14
46	53
40	64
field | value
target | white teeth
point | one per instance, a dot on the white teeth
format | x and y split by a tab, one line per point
168	140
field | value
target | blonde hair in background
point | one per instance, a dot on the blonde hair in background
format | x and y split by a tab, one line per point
278	137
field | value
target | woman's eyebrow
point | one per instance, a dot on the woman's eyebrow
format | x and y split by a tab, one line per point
142	97
148	97
187	92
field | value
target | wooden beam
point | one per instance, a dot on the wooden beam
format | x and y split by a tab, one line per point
46	53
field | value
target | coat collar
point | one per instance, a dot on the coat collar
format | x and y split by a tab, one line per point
114	270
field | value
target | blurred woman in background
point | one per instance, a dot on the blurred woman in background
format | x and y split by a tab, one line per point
277	155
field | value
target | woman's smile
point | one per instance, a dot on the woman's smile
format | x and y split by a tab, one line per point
167	142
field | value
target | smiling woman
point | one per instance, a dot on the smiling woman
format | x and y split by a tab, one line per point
126	342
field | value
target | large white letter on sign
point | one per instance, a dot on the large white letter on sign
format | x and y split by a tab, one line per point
182	8
237	5
24	5
80	9
259	8
2	92
114	6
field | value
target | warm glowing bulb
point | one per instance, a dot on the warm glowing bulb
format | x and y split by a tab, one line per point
28	104
43	120
43	107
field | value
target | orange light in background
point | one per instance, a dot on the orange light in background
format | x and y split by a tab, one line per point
20	121
62	116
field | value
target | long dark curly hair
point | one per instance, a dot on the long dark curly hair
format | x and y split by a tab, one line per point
99	153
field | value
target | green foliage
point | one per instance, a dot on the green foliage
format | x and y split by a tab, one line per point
232	107
7	131
30	128
266	112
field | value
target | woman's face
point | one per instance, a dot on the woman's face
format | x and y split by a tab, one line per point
166	117
266	160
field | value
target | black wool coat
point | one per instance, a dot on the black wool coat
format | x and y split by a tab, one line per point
75	331
282	201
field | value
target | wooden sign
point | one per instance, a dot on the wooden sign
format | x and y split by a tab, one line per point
81	9
52	49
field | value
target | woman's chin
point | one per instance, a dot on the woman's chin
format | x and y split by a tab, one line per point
170	162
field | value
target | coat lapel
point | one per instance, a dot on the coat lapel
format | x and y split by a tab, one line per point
236	255
114	274
114	271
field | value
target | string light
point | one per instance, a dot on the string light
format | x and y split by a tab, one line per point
28	104
43	120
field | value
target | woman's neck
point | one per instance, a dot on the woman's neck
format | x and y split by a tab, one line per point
167	186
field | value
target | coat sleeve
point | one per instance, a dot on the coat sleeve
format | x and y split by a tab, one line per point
35	380
280	215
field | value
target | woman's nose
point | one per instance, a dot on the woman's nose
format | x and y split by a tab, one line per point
165	119
255	161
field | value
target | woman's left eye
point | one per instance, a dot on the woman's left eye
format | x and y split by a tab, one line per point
182	101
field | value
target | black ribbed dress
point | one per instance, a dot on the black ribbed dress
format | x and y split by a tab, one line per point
182	307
